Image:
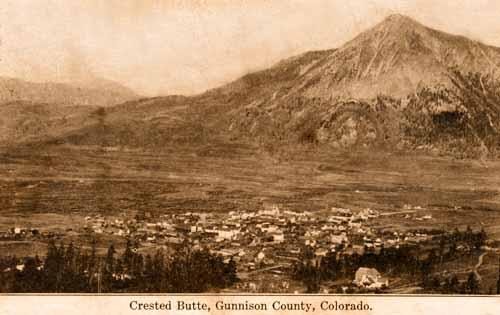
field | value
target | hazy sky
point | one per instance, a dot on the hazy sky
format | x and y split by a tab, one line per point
173	46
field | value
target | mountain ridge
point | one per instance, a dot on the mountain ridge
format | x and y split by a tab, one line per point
95	92
295	98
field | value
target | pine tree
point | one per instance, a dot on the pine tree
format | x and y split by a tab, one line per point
480	239
68	280
498	281
119	267
52	268
70	258
148	273
108	271
110	259
472	286
454	284
158	271
329	266
137	267
92	268
128	256
441	250
230	273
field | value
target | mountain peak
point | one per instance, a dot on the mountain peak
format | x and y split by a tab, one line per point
399	21
396	28
395	57
398	18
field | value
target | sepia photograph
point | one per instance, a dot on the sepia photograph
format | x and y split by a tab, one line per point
250	147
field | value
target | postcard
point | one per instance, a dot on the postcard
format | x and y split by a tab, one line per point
267	156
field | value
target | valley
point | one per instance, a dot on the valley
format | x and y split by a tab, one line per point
90	180
383	152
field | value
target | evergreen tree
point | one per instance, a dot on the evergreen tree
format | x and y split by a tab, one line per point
158	271
110	259
69	258
441	249
128	256
68	278
472	286
52	268
137	267
230	273
480	239
329	266
498	281
108	271
92	268
454	285
148	274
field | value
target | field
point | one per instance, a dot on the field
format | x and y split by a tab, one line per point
55	187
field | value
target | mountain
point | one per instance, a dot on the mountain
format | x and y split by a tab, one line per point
22	121
36	111
298	98
393	58
92	92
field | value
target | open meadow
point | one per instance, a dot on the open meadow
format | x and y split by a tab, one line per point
56	188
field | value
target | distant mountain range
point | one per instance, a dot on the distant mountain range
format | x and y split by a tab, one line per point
92	92
395	58
32	111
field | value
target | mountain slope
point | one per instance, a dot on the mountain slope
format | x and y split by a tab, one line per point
161	120
296	99
38	111
22	121
393	58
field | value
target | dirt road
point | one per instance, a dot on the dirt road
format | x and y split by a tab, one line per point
479	263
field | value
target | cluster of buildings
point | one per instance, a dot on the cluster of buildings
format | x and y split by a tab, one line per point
261	242
267	240
17	233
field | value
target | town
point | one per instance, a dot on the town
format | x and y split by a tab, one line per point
265	244
269	237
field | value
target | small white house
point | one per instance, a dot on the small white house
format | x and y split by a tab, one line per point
370	278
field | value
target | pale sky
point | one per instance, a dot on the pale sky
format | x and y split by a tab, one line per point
184	47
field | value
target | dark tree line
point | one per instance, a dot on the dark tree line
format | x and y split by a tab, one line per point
69	269
479	95
463	117
408	259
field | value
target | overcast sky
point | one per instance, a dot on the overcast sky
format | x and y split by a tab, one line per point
183	47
